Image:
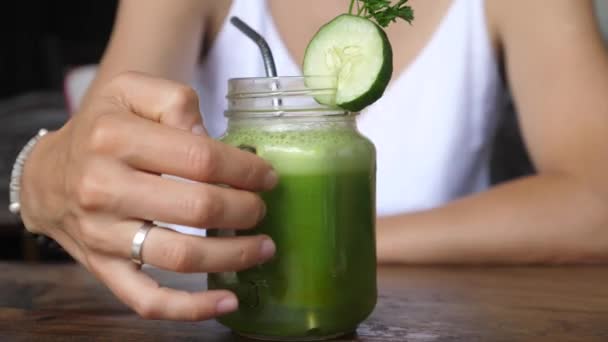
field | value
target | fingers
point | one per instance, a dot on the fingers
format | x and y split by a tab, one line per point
151	147
173	251
151	301
199	158
178	252
148	196
112	188
164	101
150	132
103	232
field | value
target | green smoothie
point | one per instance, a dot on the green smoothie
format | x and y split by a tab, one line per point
322	281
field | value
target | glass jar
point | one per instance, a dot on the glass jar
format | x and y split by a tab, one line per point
322	281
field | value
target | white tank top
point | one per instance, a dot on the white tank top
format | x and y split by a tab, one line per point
432	128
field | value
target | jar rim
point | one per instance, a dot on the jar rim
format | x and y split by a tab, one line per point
280	77
247	86
282	96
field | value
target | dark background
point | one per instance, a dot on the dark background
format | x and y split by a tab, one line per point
41	40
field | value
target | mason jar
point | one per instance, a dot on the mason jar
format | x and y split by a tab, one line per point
321	282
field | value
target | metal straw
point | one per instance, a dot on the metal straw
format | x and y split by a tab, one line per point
271	70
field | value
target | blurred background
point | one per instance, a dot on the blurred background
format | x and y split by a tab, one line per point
41	41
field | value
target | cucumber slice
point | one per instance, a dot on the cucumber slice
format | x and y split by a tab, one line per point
358	53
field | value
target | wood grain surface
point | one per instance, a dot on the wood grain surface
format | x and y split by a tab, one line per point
65	303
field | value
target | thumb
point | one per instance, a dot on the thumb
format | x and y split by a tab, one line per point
164	101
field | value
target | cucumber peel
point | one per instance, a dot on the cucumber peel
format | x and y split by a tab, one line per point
357	52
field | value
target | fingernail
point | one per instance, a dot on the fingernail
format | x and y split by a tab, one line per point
199	129
271	179
267	250
226	305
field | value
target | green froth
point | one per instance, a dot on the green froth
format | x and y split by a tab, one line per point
294	151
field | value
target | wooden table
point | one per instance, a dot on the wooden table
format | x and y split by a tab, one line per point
64	303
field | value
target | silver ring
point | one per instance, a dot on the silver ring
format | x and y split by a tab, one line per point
138	242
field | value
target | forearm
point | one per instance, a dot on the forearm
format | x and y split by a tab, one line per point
159	38
538	219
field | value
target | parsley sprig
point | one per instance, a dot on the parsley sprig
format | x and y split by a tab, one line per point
382	11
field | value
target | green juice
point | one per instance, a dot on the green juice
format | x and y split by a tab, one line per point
322	280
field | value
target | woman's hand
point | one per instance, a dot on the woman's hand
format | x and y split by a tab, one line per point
90	185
